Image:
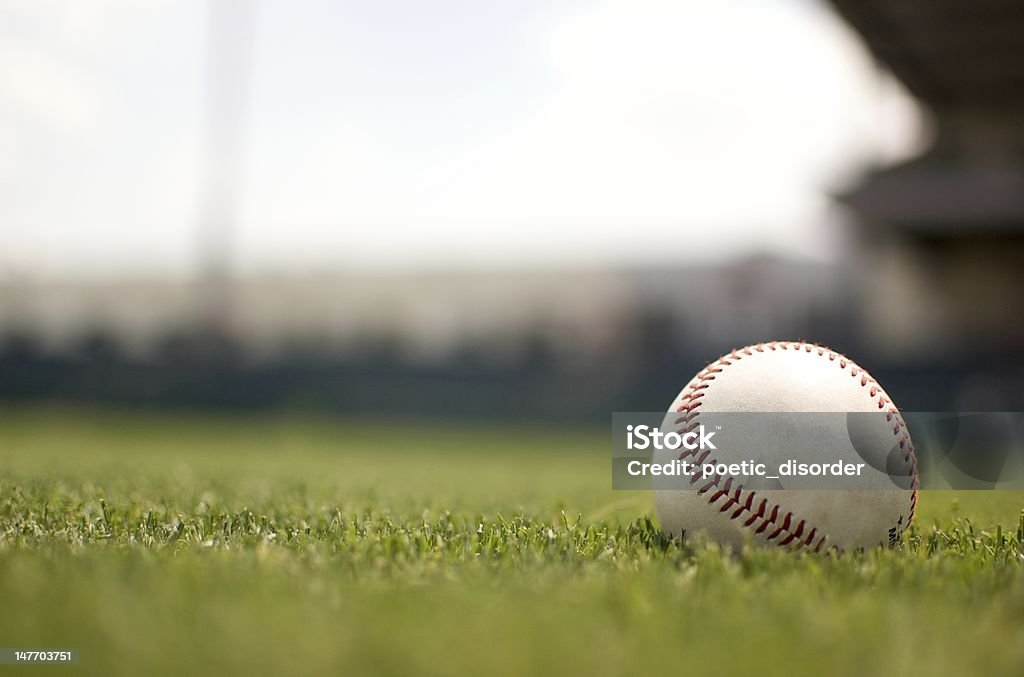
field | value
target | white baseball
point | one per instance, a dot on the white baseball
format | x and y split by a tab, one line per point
793	377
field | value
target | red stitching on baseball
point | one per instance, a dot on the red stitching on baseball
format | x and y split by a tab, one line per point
694	400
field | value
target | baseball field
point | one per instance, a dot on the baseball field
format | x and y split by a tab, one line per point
177	543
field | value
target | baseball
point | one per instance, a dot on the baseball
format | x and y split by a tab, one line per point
792	377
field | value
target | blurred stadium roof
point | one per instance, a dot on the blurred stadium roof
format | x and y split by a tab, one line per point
949	53
965	61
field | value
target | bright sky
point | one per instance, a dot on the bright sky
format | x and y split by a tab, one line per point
399	133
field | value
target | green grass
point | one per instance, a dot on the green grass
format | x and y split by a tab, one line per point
169	544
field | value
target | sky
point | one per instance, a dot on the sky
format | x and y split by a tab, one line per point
403	134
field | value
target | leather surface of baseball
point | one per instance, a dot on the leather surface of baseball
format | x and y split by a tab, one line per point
794	377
